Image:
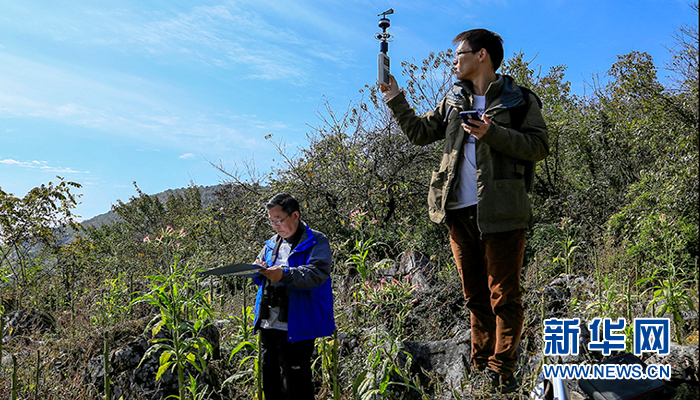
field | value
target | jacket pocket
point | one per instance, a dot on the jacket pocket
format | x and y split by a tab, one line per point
510	200
436	192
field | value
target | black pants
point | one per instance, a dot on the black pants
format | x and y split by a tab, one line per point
286	367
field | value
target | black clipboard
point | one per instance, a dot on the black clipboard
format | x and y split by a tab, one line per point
237	269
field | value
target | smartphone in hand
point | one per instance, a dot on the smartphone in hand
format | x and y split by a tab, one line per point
467	115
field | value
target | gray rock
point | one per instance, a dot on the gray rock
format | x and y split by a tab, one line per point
682	359
448	358
414	266
559	292
26	322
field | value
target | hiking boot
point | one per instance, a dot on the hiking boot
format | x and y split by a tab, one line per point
509	384
480	383
502	384
494	377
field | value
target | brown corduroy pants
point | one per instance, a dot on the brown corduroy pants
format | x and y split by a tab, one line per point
489	266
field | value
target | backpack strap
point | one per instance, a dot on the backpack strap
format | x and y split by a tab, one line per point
517	117
517	114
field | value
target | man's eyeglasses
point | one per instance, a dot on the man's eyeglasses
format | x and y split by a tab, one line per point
278	223
459	53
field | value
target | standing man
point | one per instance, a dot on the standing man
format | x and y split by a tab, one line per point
294	305
480	190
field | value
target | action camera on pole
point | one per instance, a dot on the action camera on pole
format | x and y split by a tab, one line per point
384	38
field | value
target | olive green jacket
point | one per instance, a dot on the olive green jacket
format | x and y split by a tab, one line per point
503	154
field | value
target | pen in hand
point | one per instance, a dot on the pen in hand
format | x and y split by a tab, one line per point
274	273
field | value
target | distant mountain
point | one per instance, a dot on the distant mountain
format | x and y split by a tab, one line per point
207	193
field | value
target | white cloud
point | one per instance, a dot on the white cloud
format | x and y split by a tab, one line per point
228	36
60	170
30	164
42	165
187	156
71	110
246	39
259	40
116	103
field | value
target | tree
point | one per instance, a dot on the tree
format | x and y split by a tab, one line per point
358	159
33	226
668	181
684	64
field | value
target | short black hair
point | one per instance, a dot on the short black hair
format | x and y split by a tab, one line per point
288	203
484	39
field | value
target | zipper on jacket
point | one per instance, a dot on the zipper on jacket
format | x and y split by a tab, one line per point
478	226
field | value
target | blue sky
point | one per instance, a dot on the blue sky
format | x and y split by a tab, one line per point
110	92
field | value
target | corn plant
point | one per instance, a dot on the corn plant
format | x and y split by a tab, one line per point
245	322
328	356
672	292
115	302
177	299
15	386
390	301
246	351
249	366
360	259
567	255
674	295
197	393
108	382
379	379
609	303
